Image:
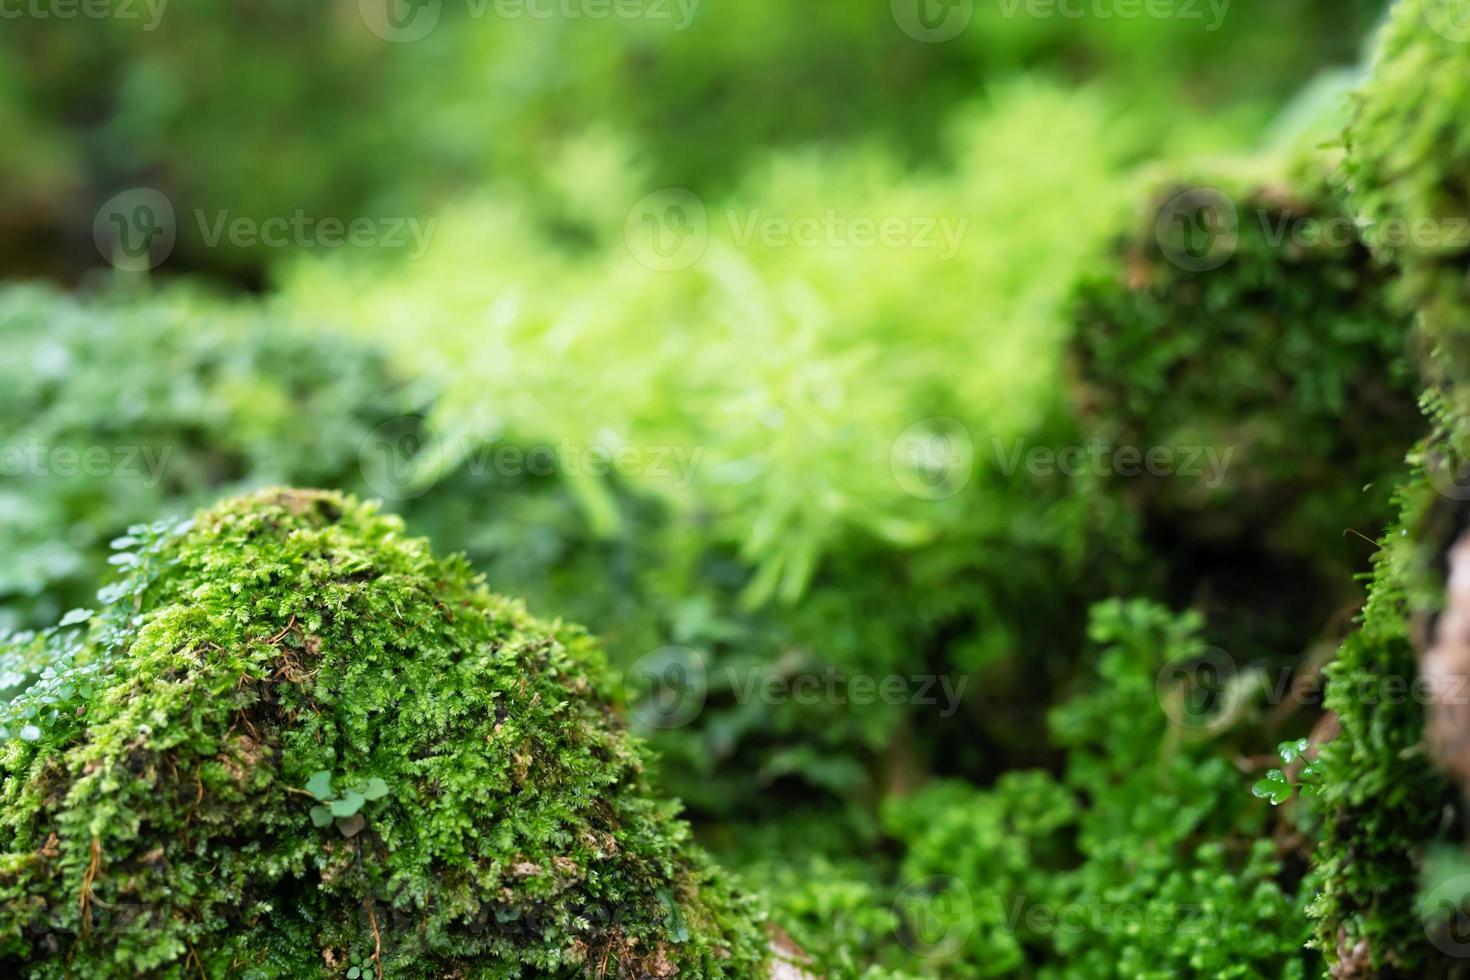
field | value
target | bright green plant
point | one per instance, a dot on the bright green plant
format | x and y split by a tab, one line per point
1146	858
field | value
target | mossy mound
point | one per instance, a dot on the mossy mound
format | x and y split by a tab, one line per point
295	743
1409	166
1244	336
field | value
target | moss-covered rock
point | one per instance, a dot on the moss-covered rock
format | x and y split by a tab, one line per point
296	743
1409	166
1245	335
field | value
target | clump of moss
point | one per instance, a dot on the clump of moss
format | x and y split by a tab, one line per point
1409	166
1245	329
295	742
1382	803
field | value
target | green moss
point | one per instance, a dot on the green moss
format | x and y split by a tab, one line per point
1409	166
487	814
1383	803
1244	322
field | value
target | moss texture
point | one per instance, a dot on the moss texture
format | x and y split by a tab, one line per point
294	742
1383	806
1409	166
1245	326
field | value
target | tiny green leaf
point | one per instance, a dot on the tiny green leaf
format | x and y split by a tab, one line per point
349	804
1275	787
320	816
320	785
374	789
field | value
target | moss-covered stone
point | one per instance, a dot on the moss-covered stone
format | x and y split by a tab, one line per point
296	743
1245	329
1409	166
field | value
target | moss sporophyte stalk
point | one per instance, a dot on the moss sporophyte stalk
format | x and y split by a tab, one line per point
293	742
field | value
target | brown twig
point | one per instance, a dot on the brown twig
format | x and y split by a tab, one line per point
377	942
286	629
89	876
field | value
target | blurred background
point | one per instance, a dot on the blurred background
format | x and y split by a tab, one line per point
753	336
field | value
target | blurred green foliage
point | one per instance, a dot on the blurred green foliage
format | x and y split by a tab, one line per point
128	407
